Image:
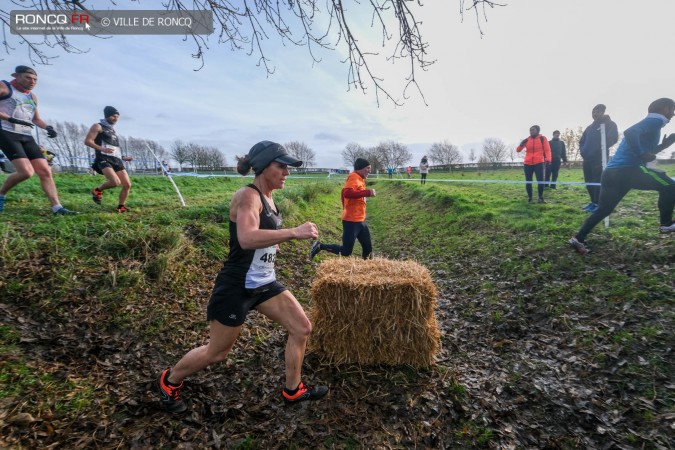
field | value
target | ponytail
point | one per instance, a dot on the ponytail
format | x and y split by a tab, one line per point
243	165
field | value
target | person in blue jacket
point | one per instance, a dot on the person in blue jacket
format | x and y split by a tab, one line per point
628	170
591	151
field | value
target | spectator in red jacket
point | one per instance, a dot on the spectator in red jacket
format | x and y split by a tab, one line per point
537	155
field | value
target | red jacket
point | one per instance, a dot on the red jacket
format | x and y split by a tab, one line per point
537	150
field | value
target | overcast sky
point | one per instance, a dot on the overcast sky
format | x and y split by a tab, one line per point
545	62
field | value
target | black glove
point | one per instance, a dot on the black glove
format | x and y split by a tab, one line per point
51	132
667	142
523	142
20	122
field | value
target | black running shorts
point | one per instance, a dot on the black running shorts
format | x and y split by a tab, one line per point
230	302
15	146
103	161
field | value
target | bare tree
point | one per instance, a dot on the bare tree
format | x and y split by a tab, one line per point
444	153
391	154
472	155
571	139
513	154
180	152
484	162
353	151
302	151
138	149
314	24
69	144
215	158
478	7
374	157
494	150
200	157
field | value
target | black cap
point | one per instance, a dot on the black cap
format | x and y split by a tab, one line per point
360	163
24	69
110	111
264	152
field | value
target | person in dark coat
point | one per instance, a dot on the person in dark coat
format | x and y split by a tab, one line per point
558	156
591	151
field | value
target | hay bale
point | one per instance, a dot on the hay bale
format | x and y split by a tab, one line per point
374	311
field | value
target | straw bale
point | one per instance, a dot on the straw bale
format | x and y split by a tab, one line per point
375	311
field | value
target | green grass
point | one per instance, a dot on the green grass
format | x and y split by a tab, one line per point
483	243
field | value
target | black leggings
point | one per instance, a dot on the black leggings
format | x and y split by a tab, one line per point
424	178
552	171
538	171
593	174
616	183
351	231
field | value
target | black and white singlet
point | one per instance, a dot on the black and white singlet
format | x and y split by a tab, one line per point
256	267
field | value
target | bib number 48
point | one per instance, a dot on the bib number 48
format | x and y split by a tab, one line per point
268	258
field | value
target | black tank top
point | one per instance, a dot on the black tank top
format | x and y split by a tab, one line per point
107	135
255	267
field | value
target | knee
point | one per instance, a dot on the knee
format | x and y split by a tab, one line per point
23	175
126	185
302	330
44	174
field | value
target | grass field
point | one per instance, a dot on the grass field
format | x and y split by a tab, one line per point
542	348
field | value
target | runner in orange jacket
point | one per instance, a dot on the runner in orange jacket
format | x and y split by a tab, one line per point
537	156
354	225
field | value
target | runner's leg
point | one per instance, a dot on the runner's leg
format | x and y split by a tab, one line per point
24	170
222	338
285	310
43	171
125	182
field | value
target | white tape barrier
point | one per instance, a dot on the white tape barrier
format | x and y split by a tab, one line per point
180	197
437	180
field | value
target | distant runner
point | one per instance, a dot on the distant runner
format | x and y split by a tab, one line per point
354	224
18	116
109	161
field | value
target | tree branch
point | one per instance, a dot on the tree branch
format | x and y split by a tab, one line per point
248	24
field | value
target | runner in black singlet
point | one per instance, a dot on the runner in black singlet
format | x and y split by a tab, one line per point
109	161
248	281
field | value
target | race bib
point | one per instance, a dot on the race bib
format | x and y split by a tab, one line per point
261	271
116	151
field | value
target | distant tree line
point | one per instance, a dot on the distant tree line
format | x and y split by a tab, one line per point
197	157
71	151
493	153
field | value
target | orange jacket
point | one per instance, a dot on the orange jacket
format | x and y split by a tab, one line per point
354	195
537	149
